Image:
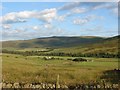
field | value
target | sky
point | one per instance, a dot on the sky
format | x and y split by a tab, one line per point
28	20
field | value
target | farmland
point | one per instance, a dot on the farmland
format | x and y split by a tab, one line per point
17	68
43	60
60	45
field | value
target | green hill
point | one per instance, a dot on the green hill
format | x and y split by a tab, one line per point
84	44
106	45
54	42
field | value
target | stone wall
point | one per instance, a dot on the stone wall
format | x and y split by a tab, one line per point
54	86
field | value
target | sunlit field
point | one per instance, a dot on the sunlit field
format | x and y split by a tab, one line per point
18	68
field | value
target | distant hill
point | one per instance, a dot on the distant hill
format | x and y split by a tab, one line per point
54	42
105	45
84	44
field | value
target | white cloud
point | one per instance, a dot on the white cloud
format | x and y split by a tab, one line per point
12	18
111	7
42	27
16	34
26	14
6	26
82	21
62	17
48	26
82	7
79	10
105	5
36	27
46	15
69	6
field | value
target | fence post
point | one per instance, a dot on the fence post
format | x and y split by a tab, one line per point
57	82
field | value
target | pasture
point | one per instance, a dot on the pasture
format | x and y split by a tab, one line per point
29	69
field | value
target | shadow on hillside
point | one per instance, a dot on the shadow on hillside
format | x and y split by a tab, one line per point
112	76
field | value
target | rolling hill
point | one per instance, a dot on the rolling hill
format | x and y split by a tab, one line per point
54	42
106	45
84	44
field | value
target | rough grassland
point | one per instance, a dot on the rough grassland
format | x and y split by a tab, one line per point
30	69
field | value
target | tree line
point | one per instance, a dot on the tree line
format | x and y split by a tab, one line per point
37	53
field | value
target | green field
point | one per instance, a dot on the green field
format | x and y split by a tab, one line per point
18	68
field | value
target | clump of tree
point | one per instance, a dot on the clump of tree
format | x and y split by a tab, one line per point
80	60
37	53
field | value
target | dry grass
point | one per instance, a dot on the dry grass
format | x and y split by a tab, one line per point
17	69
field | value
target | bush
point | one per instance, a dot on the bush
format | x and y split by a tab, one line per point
79	60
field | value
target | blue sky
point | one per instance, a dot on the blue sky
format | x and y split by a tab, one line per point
27	20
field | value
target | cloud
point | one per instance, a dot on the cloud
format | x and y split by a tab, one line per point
82	21
69	6
6	26
79	10
62	17
36	27
69	11
13	17
72	5
111	7
19	33
72	12
82	7
41	27
48	26
26	14
105	5
46	15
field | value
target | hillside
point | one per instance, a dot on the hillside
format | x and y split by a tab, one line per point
107	45
86	44
53	42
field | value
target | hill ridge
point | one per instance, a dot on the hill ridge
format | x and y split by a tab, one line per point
73	44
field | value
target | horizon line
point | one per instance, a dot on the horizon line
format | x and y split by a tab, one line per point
59	37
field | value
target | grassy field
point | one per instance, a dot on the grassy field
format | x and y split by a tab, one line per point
30	69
